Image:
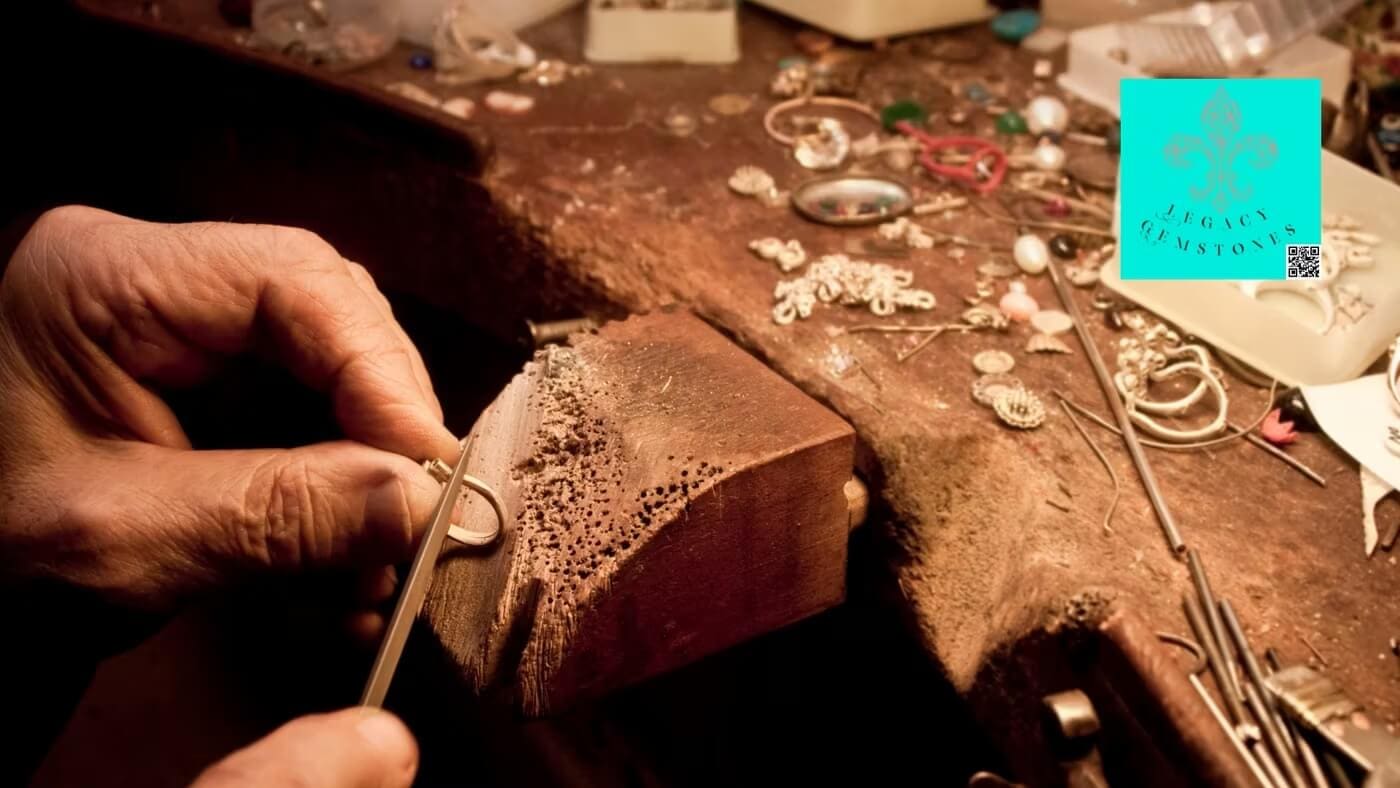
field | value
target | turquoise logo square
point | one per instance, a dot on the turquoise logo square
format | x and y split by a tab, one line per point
1218	176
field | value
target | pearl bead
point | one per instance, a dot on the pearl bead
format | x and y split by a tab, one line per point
1031	254
1047	113
1017	304
1050	158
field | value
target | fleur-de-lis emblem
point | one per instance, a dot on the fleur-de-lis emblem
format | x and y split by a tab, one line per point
1221	147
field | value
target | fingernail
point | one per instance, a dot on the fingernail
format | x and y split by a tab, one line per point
384	732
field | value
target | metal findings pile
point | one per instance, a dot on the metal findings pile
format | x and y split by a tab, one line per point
1015	405
1155	355
835	278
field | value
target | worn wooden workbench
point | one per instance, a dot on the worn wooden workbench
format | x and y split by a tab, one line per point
588	204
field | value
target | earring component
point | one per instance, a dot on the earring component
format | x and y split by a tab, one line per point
828	144
987	388
751	181
1020	409
788	256
993	362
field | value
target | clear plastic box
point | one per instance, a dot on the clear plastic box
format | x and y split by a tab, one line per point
1093	73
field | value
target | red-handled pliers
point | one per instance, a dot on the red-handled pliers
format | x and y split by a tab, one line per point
977	149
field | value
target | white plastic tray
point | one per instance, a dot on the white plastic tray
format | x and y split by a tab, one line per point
1093	76
648	35
864	20
1277	333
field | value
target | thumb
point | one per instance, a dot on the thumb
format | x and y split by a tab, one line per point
353	748
169	522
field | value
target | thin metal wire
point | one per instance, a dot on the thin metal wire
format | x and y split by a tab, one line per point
1191	646
1113	475
1240	432
1130	439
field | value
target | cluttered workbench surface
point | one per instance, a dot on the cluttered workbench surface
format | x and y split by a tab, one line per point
599	190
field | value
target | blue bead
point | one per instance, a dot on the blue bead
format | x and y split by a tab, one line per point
421	61
977	93
1015	25
793	60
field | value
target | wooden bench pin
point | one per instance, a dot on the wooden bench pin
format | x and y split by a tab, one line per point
669	496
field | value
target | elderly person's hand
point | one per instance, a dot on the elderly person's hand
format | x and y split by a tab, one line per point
100	490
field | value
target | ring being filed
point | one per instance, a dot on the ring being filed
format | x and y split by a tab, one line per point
480	538
440	471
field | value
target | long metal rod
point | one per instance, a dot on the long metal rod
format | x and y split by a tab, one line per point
1273	736
1217	661
1120	414
1254	767
1229	681
415	589
1260	700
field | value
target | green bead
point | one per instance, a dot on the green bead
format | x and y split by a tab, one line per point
1011	123
911	111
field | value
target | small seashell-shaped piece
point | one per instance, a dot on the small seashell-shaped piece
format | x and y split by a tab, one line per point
1017	304
1020	409
750	181
1045	343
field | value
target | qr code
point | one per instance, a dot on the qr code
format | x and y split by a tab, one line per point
1304	261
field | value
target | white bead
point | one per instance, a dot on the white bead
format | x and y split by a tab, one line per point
1049	157
1031	254
1047	113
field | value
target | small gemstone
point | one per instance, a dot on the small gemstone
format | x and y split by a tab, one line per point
1063	247
1295	409
1011	123
977	93
1015	25
421	61
906	110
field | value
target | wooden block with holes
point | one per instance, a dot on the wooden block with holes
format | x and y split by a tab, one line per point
669	496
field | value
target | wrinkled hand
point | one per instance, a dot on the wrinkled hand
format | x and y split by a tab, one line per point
355	748
99	487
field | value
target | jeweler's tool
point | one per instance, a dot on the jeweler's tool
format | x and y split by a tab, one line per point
415	588
1324	710
1120	414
